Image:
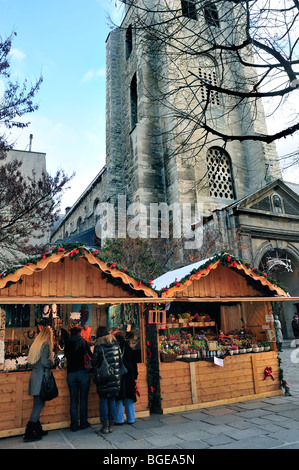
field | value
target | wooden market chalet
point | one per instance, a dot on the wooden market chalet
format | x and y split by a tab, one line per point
206	302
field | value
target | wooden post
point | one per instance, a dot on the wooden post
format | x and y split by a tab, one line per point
254	374
142	333
19	401
193	382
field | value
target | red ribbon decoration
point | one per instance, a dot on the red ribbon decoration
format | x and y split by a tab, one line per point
73	252
233	264
268	373
137	389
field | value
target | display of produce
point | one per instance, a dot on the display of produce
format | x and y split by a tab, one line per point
191	338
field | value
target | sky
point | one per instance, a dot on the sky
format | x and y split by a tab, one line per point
64	41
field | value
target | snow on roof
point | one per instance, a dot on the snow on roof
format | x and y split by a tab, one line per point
168	278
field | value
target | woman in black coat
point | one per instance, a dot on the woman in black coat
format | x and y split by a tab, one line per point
127	395
78	378
106	346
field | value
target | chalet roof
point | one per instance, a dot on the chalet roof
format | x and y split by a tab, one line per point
41	262
179	279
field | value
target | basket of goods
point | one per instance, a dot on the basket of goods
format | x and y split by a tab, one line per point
169	356
212	345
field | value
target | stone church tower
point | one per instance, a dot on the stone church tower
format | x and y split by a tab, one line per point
158	152
155	155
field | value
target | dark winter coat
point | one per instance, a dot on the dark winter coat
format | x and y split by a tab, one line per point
108	346
127	387
43	365
295	326
75	349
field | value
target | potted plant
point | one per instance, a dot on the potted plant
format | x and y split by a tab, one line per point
267	346
179	354
193	353
234	348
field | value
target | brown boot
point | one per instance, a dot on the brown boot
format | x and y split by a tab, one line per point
111	425
105	427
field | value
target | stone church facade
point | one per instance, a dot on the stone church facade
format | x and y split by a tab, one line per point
241	186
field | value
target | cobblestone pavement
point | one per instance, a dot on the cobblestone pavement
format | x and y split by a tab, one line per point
269	423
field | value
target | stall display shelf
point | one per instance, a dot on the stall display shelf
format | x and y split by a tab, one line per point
172	326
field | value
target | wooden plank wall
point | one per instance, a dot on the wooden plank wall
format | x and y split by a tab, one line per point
16	404
242	377
72	278
220	282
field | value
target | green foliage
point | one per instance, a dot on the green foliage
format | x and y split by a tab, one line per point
137	254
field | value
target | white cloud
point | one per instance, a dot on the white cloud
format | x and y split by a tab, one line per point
17	54
93	74
82	153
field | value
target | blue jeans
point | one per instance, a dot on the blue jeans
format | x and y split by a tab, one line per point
38	405
79	382
129	409
107	409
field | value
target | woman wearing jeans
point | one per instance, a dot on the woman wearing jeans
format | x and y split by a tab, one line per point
127	396
41	359
106	346
78	378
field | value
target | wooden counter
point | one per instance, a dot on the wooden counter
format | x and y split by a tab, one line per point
201	384
16	404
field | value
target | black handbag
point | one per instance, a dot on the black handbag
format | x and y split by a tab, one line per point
103	373
49	389
87	362
123	370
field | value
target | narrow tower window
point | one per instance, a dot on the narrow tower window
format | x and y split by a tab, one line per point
220	174
129	41
189	9
211	15
133	93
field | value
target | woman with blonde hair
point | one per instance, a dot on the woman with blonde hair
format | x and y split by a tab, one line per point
41	360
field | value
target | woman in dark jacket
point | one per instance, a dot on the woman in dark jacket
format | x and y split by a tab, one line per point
41	360
106	345
127	396
295	326
78	378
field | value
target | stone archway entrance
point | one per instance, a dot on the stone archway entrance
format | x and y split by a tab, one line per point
282	265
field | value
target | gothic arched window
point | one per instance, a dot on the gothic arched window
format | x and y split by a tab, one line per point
79	225
207	74
189	9
211	15
220	174
134	100
96	210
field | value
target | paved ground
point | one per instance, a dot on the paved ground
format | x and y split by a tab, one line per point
270	423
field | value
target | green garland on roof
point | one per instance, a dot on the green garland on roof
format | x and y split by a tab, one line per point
74	251
227	260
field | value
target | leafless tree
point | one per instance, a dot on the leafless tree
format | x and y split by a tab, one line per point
213	62
29	204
